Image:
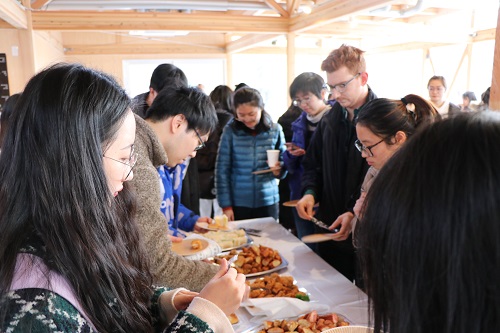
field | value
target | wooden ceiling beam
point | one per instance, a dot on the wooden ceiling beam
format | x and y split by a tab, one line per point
292	6
12	13
247	42
123	21
334	11
166	48
405	47
483	35
37	4
273	4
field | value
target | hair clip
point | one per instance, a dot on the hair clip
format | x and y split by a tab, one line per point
410	107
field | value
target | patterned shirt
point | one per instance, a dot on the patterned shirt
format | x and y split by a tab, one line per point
178	216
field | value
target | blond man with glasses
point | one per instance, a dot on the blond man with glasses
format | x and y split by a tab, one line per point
333	168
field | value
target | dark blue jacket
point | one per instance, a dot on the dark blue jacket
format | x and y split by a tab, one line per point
240	154
292	163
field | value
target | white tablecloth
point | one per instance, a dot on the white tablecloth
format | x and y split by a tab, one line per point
324	284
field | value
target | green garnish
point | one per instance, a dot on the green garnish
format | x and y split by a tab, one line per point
303	297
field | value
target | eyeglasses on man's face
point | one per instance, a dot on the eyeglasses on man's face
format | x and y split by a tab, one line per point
132	160
202	143
298	102
366	149
341	87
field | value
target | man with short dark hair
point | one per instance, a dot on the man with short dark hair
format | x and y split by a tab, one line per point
177	124
333	168
165	75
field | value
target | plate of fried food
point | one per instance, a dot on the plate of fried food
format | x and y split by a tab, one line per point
310	322
189	246
255	260
276	285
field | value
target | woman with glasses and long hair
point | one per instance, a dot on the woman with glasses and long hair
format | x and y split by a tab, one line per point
308	92
428	239
70	252
242	151
383	126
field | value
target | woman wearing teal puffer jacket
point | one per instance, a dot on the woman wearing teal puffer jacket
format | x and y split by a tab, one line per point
242	150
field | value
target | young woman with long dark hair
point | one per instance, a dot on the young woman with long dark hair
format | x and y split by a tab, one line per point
70	254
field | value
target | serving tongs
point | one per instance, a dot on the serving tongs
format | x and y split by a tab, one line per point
323	225
253	232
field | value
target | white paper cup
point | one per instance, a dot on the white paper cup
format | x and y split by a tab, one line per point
273	156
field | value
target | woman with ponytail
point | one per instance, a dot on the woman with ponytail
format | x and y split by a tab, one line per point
383	126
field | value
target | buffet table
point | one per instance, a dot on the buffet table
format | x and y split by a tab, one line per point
326	286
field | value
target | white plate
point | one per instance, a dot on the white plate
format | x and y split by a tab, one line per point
350	329
317	238
331	330
259	172
273	296
183	248
206	226
283	264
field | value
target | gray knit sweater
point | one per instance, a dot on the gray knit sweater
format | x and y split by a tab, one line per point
168	268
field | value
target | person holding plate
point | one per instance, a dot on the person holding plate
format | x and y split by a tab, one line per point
243	152
309	92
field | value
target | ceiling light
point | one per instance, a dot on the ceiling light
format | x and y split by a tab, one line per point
305	9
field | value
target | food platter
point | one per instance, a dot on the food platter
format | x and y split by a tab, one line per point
213	227
249	242
235	239
184	248
283	264
278	263
313	321
276	285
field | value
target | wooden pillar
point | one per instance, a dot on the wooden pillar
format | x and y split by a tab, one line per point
26	49
495	77
229	70
290	60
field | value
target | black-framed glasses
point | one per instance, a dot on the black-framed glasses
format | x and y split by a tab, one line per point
202	143
131	161
366	149
298	102
341	87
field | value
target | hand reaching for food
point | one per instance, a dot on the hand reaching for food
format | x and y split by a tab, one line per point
197	228
229	213
226	289
305	207
344	222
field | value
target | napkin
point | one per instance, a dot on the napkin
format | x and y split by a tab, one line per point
212	249
281	307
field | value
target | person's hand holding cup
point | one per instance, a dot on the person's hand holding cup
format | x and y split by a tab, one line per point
273	157
273	160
